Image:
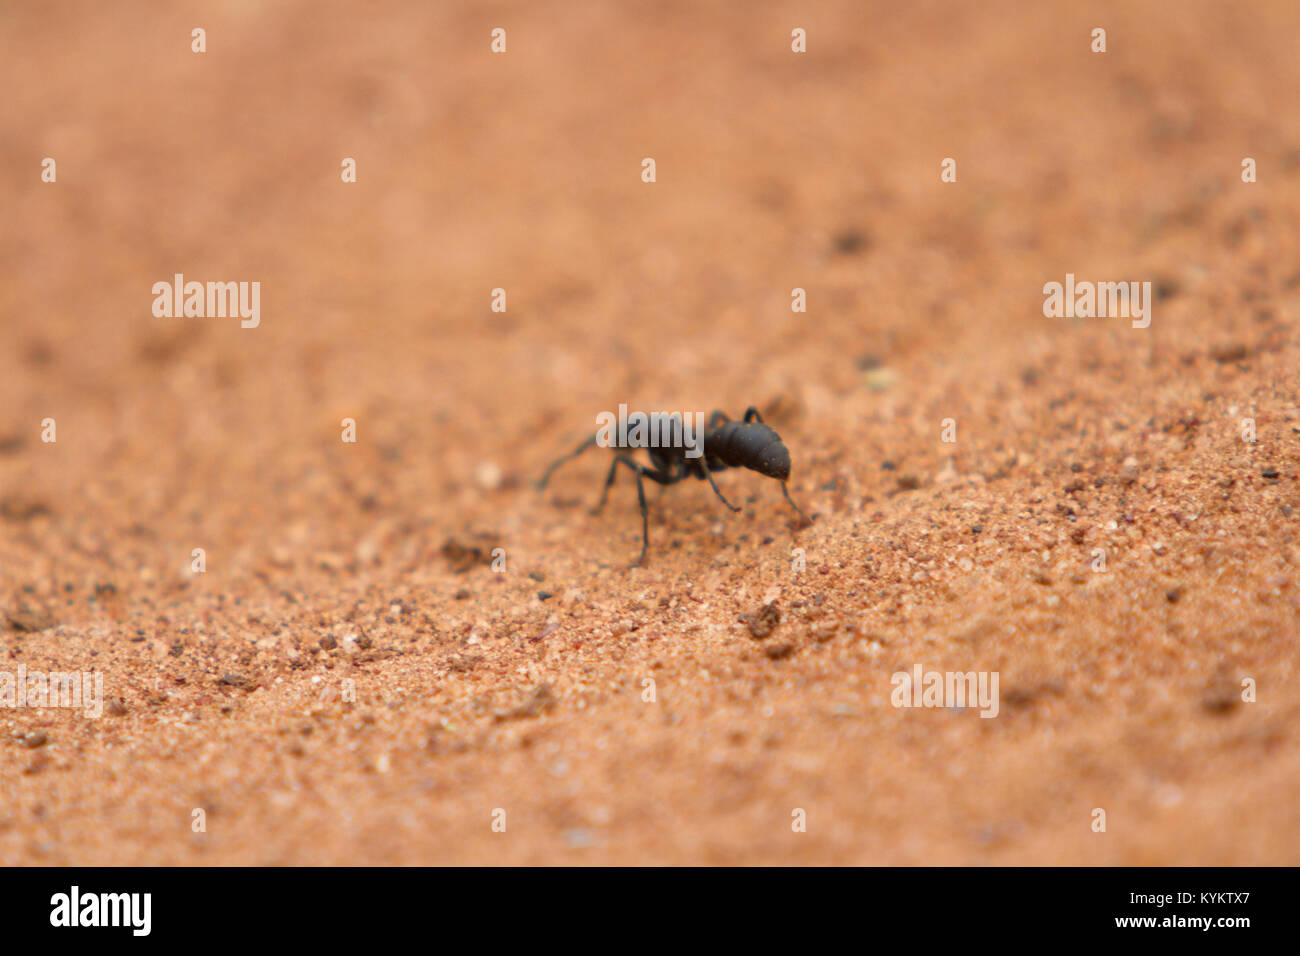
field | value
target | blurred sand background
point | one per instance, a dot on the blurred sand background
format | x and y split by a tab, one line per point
523	691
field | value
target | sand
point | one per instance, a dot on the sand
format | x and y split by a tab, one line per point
348	680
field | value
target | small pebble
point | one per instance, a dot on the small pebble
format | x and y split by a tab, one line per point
488	475
763	621
579	838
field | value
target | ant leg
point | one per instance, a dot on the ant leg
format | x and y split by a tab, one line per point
541	483
609	480
752	415
704	463
659	477
806	519
638	470
645	519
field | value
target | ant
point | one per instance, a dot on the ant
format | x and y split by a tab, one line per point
727	444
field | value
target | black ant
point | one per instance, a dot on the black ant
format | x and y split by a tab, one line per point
727	444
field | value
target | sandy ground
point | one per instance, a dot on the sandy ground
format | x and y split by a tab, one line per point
349	681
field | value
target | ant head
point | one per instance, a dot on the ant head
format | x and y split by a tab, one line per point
774	461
